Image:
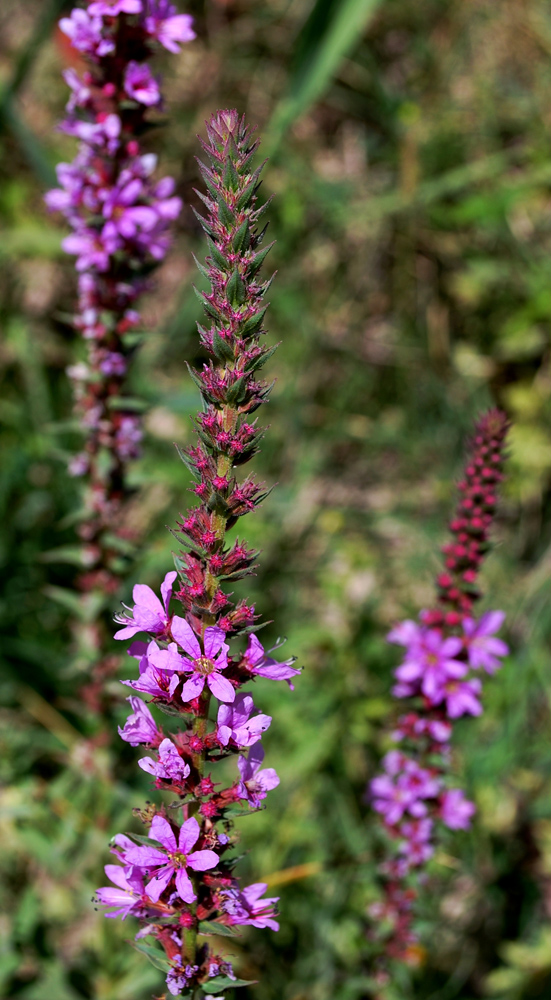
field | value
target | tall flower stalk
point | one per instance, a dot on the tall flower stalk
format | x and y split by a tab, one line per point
120	217
439	680
179	881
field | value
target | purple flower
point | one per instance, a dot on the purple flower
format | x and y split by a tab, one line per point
170	766
206	666
482	648
128	897
176	981
259	663
148	614
125	217
246	907
234	722
405	633
416	846
255	784
140	726
392	798
140	84
172	859
85	32
456	810
169	28
92	249
128	437
461	697
81	92
430	661
152	680
110	8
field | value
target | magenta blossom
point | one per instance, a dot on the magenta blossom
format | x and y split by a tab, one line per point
140	84
172	859
258	662
246	907
430	662
169	28
148	614
461	697
140	726
206	666
456	810
152	680
482	647
255	784
110	8
170	766
128	897
235	724
85	32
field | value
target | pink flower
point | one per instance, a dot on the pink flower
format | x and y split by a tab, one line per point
169	767
456	810
482	648
206	666
128	897
235	724
171	31
430	662
461	697
255	784
173	859
246	907
148	614
140	84
259	663
140	726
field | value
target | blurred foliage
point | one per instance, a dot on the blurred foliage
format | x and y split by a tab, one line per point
412	213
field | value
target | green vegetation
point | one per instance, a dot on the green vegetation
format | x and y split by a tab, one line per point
412	213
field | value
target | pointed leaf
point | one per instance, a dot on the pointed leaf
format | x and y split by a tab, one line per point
236	290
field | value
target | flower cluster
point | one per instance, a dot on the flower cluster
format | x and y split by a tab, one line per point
440	675
179	880
120	217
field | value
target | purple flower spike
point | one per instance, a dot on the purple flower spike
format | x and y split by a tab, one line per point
483	648
148	614
170	766
206	666
234	723
259	663
173	859
456	810
140	727
255	784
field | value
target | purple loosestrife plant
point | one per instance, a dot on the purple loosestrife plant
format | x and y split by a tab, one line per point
179	881
446	653
120	217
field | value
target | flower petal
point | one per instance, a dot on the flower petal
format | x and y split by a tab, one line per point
185	637
201	861
193	687
162	831
157	886
166	587
184	886
146	598
189	834
220	687
214	641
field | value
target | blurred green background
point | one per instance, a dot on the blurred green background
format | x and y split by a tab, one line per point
410	150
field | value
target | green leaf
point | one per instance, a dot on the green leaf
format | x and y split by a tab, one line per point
236	290
218	256
327	37
254	363
256	262
231	177
156	957
224	983
242	238
211	927
220	346
253	323
224	214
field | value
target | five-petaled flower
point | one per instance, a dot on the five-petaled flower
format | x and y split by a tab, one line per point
172	859
206	665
